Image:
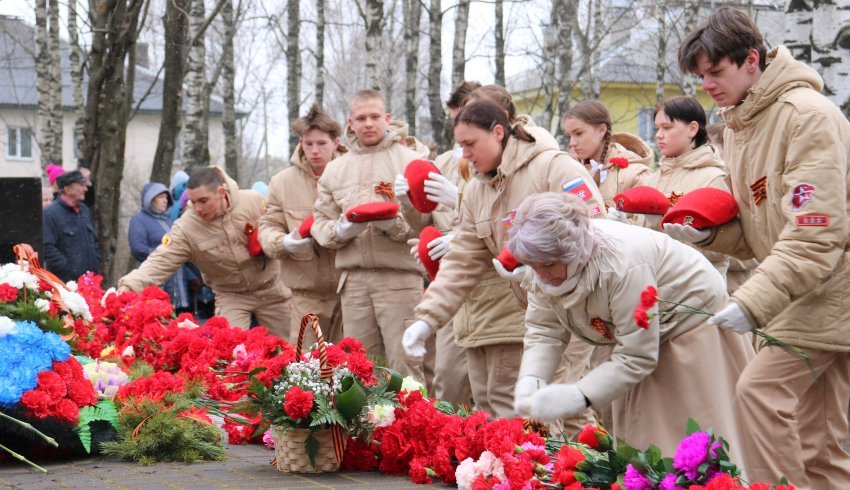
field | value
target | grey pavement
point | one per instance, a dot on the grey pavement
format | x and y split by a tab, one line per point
248	467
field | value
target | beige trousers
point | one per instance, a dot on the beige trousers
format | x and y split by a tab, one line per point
327	308
576	361
796	425
270	306
451	375
493	371
377	305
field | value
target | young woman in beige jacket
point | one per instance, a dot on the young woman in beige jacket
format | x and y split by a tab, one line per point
588	279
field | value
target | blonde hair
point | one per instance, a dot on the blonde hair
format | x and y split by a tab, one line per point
367	94
550	227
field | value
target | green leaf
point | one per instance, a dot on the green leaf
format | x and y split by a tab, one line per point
653	456
691	427
104	410
312	447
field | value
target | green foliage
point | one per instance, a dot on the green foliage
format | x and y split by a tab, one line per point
691	427
324	415
140	369
104	410
312	446
22	310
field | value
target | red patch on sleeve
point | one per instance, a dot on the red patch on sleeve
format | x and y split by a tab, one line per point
812	220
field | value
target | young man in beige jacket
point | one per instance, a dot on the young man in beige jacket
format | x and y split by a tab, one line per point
212	235
787	157
307	268
381	283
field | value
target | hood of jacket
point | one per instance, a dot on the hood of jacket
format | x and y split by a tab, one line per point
299	159
783	73
630	147
150	191
700	157
396	133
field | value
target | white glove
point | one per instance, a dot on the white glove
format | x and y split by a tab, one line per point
557	402
615	214
414	249
400	188
440	246
732	318
414	338
525	387
440	190
384	224
346	230
685	233
297	246
515	275
654	220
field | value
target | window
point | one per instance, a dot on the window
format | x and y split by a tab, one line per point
646	124
19	143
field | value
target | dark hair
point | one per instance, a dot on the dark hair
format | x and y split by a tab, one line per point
687	110
715	133
460	93
486	115
594	113
316	118
728	32
208	177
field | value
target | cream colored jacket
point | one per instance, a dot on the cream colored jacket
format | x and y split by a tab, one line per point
788	134
486	211
219	248
354	179
291	195
617	180
601	308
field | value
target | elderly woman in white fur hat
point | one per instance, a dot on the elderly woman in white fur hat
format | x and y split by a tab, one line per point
588	279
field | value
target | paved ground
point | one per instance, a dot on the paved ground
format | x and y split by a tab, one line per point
248	467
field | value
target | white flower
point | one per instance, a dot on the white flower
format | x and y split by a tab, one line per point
42	304
7	326
187	324
106	295
71	286
15	277
409	384
76	304
381	415
128	351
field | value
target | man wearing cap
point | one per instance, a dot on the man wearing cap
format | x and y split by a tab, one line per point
70	243
214	235
787	158
381	283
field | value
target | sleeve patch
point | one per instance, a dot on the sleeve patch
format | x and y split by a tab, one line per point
812	220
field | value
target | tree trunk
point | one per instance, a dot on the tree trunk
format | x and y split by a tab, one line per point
174	23
293	68
114	27
550	39
320	52
43	133
76	65
374	19
591	46
499	30
55	80
831	50
435	105
567	13
661	49
228	73
459	48
692	7
196	148
798	29
412	19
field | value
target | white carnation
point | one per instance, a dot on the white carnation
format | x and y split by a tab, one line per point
7	326
42	304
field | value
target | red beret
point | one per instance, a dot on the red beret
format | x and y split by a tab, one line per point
416	174
306	225
643	200
703	208
372	211
507	259
428	234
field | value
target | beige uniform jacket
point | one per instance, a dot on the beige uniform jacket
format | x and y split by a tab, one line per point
486	212
601	308
219	248
617	180
786	153
356	178
695	169
292	193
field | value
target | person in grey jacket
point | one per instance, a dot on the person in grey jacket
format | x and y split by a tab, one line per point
71	247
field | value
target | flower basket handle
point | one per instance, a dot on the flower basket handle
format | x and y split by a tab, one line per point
326	372
25	252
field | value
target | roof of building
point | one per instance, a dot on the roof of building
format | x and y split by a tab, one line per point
18	74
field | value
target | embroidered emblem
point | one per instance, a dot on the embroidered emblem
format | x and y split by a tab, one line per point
802	194
674	198
249	228
166	239
620	203
508	220
759	190
688	221
813	220
595	210
578	187
386	189
600	327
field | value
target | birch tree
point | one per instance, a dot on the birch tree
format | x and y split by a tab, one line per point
195	145
499	31
372	14
43	131
75	59
459	45
691	14
435	104
661	48
56	115
557	78
293	67
228	92
412	19
320	52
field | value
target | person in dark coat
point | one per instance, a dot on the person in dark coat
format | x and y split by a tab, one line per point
71	246
147	227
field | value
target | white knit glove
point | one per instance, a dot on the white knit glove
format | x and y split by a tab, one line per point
400	188
557	402
615	214
440	190
525	387
516	275
685	233
414	338
346	230
732	317
297	246
440	246
654	220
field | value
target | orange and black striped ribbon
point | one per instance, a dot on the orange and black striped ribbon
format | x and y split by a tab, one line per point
759	190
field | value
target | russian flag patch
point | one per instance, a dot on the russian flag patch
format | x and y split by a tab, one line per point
578	187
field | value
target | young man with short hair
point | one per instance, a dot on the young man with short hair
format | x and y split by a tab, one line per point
786	150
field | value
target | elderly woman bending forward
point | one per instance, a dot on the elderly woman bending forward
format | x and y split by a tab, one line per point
588	279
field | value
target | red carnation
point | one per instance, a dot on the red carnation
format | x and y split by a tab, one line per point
590	436
649	297
641	318
298	403
8	293
620	162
